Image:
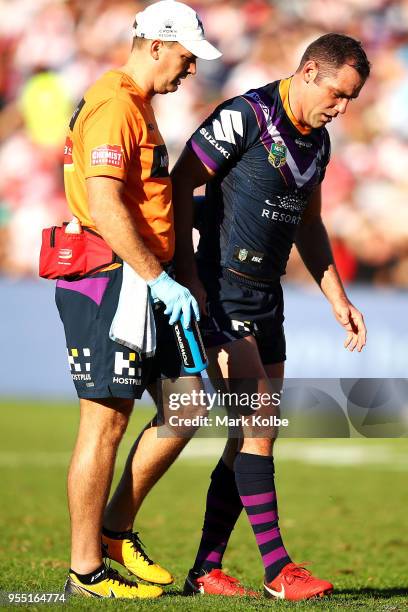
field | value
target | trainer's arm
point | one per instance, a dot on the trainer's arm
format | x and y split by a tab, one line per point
117	226
188	173
314	247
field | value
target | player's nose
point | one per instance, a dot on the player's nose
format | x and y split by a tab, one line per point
341	105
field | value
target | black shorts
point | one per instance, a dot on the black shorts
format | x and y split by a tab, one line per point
237	309
100	367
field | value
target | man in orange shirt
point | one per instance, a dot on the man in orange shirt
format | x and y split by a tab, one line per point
117	183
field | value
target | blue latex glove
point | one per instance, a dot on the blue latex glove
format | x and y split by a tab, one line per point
176	298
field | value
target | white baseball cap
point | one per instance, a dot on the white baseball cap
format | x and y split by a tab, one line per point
174	21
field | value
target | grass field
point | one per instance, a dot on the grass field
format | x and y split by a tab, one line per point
343	505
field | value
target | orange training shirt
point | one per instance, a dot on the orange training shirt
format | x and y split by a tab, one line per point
113	133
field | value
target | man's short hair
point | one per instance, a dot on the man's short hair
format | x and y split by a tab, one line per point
332	51
139	42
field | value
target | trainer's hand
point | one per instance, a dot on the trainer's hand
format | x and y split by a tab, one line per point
193	283
353	322
177	299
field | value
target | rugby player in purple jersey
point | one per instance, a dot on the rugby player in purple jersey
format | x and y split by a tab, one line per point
262	156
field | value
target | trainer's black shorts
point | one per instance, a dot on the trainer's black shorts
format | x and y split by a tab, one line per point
237	309
100	367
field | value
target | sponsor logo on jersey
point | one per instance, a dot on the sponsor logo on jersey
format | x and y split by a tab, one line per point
68	161
160	162
107	155
277	154
242	254
294	201
274	215
214	143
230	122
303	144
247	256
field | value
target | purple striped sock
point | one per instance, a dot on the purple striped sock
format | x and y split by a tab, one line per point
254	475
222	511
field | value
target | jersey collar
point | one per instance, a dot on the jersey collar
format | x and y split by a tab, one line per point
284	94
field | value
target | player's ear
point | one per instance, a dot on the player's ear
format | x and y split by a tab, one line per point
309	71
155	48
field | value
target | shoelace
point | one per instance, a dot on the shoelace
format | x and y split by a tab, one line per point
114	576
228	578
138	546
298	571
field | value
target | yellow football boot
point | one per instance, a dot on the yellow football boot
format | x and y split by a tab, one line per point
112	586
129	552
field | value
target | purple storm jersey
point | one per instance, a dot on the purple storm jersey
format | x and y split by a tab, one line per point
266	167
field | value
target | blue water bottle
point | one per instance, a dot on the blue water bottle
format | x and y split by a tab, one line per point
190	345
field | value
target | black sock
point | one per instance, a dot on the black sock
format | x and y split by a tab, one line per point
116	535
94	577
222	511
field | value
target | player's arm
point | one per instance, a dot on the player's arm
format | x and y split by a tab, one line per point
213	148
188	174
117	226
314	247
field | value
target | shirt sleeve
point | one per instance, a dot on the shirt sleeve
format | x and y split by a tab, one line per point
225	135
326	155
110	134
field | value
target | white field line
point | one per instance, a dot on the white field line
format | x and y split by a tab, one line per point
318	453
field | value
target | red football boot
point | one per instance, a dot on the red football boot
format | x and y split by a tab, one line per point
215	583
295	582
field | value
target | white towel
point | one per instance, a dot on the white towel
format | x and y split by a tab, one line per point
133	324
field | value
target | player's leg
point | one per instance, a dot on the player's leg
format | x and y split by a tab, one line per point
254	470
150	457
237	359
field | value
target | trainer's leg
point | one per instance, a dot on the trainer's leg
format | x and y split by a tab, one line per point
101	428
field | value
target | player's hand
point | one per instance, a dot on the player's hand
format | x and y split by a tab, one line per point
353	322
193	283
177	298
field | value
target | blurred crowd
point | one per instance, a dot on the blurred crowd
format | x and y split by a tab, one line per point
52	50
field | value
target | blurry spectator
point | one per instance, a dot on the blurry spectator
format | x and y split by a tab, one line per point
52	50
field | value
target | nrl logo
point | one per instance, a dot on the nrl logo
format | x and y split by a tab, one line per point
277	154
242	255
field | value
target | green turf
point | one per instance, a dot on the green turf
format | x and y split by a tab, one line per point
350	520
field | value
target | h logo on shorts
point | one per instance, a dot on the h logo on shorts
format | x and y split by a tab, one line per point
124	364
74	360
